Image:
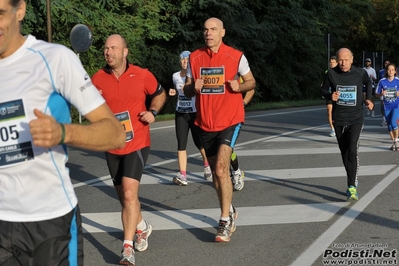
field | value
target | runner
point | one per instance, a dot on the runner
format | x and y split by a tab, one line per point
212	76
184	121
125	87
236	174
346	82
333	63
40	220
388	89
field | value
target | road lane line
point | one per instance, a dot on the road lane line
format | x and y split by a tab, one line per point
315	250
253	175
298	151
153	126
205	218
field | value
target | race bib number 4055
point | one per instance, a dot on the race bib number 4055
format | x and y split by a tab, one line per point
15	138
347	95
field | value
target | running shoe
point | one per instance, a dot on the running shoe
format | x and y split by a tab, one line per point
127	255
233	217
226	228
372	114
223	234
238	179
180	179
393	148
352	193
207	173
384	123
332	133
141	240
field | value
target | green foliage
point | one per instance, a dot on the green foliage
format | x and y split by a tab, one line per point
282	39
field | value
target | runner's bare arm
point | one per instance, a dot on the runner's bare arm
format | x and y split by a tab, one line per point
248	83
102	134
157	102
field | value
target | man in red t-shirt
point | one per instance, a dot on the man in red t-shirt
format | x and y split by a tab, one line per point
213	76
125	88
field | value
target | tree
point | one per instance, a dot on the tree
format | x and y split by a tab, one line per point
282	39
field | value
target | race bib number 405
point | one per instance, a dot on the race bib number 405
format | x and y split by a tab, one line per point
15	138
213	80
347	95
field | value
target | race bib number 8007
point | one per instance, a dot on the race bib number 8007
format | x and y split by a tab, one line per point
214	80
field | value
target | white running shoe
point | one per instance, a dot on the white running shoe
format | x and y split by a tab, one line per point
180	179
226	228
141	240
127	257
207	173
238	179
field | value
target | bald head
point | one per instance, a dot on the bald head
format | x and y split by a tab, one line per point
117	38
213	33
215	21
115	51
345	59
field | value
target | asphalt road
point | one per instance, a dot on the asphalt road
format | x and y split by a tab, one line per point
292	210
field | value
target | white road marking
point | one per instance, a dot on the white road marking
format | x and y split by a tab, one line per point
315	250
205	218
154	126
325	150
326	138
252	175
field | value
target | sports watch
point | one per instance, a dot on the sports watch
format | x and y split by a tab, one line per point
154	113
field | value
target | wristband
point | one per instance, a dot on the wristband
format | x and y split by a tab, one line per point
154	113
62	134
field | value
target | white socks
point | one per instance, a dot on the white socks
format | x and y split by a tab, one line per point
141	226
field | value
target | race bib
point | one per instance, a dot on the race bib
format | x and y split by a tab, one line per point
347	95
214	80
390	94
184	104
16	140
124	119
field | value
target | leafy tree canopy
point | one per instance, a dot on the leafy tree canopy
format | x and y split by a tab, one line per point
282	39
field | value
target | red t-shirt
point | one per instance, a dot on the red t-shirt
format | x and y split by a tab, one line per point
126	98
218	106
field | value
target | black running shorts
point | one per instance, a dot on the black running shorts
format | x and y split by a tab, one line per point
52	242
212	140
129	165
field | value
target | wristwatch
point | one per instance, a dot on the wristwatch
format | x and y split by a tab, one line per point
154	113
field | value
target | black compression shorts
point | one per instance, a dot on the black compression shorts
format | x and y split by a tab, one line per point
129	165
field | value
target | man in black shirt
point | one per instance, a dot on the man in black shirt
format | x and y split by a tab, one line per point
346	82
